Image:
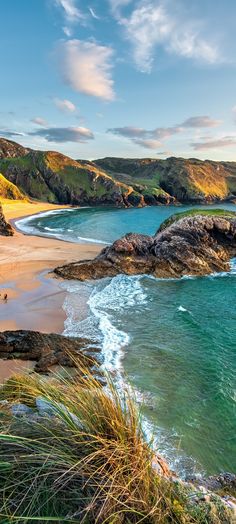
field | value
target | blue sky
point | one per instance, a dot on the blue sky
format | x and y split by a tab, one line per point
131	78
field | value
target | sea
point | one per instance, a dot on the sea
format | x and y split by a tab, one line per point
172	341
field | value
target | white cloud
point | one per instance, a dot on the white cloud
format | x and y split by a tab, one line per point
218	143
65	105
39	121
64	134
151	25
71	12
86	67
72	15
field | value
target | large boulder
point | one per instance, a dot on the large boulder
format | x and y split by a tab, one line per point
46	349
193	245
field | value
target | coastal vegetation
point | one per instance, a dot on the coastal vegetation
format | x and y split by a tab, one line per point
9	190
72	451
195	212
120	182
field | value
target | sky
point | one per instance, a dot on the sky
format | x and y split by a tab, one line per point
129	78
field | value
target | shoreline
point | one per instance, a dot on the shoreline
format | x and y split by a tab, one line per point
35	297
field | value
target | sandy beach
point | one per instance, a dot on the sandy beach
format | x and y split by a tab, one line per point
35	297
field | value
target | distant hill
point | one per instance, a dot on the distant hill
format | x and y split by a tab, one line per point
9	190
188	180
56	178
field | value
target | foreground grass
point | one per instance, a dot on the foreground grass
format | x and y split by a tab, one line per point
193	212
86	460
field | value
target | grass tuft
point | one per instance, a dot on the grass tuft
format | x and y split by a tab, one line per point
85	462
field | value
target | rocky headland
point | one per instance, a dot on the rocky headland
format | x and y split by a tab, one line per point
53	177
192	245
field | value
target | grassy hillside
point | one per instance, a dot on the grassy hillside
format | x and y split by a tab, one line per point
79	455
188	180
9	190
56	178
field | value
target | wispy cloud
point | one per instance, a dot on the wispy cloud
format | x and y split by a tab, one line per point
64	105
9	133
152	138
218	143
64	134
39	121
152	24
116	5
93	14
71	14
200	122
86	67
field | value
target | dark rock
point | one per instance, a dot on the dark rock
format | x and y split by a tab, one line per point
194	245
10	149
224	484
47	349
5	228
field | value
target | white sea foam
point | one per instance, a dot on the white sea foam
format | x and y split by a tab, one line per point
182	309
93	240
105	300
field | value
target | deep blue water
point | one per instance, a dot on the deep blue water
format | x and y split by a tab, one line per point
174	339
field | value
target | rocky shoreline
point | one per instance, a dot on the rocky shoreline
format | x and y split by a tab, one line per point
194	245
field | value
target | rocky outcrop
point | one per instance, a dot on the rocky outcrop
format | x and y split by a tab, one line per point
5	229
46	349
10	149
193	245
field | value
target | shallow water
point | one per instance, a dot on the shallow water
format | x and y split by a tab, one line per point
175	340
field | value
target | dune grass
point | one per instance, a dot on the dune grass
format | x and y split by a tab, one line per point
86	460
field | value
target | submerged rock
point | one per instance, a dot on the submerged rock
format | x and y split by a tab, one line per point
47	349
193	245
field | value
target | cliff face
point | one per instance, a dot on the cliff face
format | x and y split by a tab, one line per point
188	180
5	228
57	178
121	182
193	245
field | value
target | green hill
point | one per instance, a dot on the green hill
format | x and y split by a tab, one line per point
188	180
53	177
9	190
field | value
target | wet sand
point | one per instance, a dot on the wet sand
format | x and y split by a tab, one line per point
35	296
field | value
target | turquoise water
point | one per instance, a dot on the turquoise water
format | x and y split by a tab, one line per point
174	339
